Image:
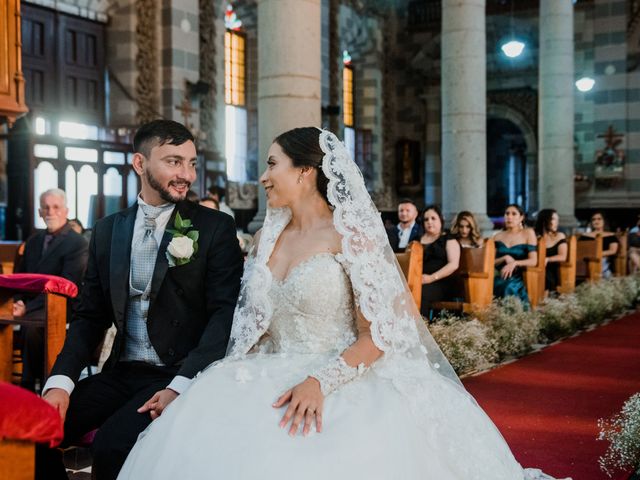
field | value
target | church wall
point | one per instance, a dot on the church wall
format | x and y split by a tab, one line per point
179	51
615	101
416	70
97	10
121	50
248	13
361	35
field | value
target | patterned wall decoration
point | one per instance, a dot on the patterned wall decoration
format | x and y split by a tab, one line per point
146	61
208	48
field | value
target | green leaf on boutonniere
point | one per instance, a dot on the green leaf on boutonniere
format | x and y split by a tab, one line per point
194	235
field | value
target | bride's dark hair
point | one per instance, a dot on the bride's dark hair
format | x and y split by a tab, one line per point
302	145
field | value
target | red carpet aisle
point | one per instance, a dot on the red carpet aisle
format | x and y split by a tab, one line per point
547	404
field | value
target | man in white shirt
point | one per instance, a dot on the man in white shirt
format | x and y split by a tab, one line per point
171	298
407	229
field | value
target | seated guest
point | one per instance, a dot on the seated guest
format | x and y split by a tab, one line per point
218	194
441	258
556	246
634	248
465	230
60	251
515	248
192	197
610	243
408	229
76	226
211	203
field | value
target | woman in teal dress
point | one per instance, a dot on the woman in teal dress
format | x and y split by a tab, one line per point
515	248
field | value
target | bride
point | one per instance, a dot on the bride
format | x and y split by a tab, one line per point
330	372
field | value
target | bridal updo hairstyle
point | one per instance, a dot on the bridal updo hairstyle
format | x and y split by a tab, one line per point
302	146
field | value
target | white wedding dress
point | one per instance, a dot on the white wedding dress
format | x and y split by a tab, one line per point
225	428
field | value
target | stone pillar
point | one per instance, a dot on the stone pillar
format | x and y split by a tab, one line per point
289	68
555	112
464	122
432	154
180	46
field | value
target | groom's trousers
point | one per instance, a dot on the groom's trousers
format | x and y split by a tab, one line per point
107	401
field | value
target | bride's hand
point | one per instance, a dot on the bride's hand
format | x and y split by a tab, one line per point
305	401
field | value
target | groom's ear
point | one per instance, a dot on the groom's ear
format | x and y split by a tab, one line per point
138	162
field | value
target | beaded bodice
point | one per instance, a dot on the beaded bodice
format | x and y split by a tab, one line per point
313	308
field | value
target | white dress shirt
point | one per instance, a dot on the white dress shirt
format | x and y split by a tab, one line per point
179	383
404	235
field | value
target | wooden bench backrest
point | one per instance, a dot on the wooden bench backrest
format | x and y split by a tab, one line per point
411	263
589	259
475	259
10	251
54	321
477	271
567	269
620	267
534	276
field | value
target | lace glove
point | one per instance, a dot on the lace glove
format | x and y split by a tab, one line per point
337	373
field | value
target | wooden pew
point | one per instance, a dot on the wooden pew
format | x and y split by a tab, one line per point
476	273
10	252
27	420
567	269
620	261
589	259
53	318
534	277
411	263
17	459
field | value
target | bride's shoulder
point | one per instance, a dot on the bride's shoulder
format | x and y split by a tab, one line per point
333	239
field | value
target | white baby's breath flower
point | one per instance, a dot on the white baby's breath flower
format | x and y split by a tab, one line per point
181	247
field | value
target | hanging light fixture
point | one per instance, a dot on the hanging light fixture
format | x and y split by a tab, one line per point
512	48
585	84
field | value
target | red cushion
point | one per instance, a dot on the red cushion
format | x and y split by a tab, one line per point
38	283
25	416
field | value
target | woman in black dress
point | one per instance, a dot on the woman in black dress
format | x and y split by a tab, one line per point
556	242
440	259
610	243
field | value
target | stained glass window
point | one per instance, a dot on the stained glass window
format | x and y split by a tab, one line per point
347	95
234	68
231	21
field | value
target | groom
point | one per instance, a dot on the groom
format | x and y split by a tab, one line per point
170	295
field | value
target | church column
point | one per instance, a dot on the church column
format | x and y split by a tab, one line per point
464	122
555	112
289	67
433	158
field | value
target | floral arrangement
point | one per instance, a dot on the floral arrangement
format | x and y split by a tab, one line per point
184	243
623	432
506	330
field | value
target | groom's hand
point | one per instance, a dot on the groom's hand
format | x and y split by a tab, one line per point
158	402
59	399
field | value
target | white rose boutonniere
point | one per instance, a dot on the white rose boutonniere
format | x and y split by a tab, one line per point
184	244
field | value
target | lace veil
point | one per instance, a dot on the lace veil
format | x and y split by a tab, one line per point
379	286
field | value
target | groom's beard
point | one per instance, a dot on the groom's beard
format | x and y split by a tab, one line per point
163	192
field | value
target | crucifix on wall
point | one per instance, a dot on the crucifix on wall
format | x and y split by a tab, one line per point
187	110
610	159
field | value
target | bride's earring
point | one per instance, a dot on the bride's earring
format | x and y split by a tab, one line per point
300	178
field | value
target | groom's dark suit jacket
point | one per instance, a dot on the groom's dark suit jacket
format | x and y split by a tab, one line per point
191	306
